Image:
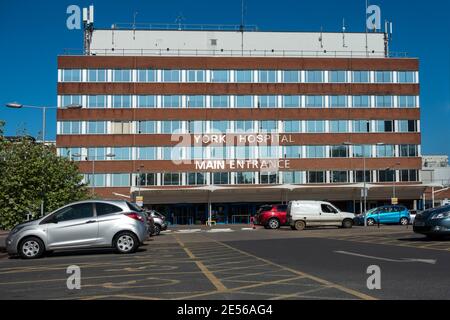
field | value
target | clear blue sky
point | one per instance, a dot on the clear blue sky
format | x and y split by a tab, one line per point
34	33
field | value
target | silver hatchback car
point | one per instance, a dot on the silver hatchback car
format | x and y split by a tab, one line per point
116	224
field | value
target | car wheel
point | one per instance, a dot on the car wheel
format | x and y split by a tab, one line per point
156	230
370	222
347	224
31	248
273	223
126	242
404	221
300	225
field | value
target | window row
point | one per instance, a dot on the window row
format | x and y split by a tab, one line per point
179	153
242	178
238	101
238	126
237	76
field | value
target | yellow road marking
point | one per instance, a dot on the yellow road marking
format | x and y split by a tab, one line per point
208	274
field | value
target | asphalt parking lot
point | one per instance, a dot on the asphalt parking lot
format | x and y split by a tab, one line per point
237	263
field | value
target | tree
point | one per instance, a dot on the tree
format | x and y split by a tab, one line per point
30	174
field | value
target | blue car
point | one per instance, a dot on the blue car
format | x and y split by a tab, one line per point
385	215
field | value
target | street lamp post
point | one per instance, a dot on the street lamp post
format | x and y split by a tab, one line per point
94	158
139	179
394	178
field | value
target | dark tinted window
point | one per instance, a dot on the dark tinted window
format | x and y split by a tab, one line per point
106	208
134	206
282	207
77	211
265	208
328	209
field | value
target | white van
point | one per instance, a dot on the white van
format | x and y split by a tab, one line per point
301	214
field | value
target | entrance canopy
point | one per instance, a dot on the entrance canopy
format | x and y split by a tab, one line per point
276	193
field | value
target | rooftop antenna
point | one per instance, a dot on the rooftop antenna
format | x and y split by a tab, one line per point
387	37
179	20
134	24
241	27
88	28
343	33
321	37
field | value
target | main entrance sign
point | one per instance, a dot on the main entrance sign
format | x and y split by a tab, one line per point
263	165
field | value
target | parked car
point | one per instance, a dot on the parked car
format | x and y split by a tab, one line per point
433	223
159	221
302	214
271	216
392	214
412	215
86	224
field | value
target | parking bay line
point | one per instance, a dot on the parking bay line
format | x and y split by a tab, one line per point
429	261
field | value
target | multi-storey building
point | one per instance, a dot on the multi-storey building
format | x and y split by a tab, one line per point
240	119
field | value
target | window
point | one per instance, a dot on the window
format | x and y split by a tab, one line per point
70	127
220	152
171	76
146	153
71	75
339	151
244	102
339	177
96	154
383	77
267	101
384	102
68	100
70	152
361	126
120	180
409	150
103	209
96	127
197	153
221	178
293	152
244	152
406	101
268	178
146	179
74	212
361	77
268	152
196	101
362	151
96	75
293	126
243	126
121	153
147	127
316	176
267	76
196	76
338	101
220	76
386	175
315	101
96	101
293	177
121	101
196	178
326	208
170	127
314	76
171	179
385	151
407	125
385	126
220	101
244	76
406	77
121	127
314	152
122	75
409	175
146	75
291	76
338	76
197	126
245	178
361	101
315	126
219	126
359	176
172	153
291	102
171	101
268	126
96	180
146	101
338	126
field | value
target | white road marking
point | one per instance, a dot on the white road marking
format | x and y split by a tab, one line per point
220	230
429	261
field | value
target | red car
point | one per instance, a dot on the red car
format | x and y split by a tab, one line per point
271	216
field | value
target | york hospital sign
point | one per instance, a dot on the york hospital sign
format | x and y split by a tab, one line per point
272	139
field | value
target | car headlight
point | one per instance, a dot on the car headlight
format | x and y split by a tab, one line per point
17	229
441	215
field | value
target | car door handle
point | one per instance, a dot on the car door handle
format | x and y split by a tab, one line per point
91	221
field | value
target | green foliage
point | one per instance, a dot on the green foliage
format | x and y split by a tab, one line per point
30	173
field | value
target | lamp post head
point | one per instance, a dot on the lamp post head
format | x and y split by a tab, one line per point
14	105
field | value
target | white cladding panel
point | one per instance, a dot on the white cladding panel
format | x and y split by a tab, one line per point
155	42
